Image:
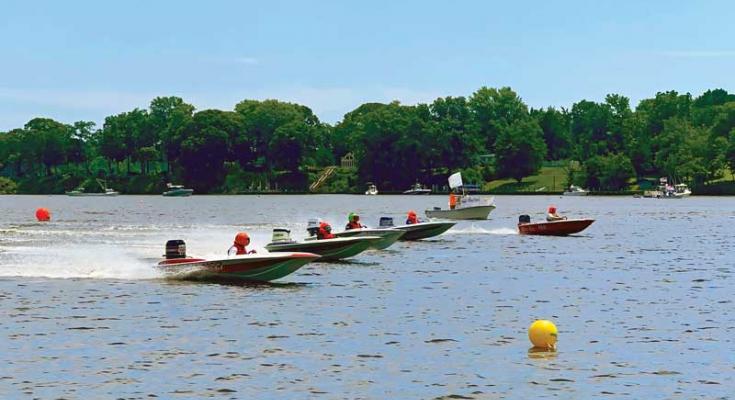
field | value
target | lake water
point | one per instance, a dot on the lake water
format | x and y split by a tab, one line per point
643	300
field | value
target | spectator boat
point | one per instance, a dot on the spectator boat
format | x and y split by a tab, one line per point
177	191
417	188
468	207
576	191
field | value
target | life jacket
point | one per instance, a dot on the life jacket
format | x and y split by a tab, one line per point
323	233
353	225
452	200
239	250
412	219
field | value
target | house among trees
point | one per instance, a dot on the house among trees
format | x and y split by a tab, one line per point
348	161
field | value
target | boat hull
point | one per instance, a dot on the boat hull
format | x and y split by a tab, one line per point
424	230
555	228
328	249
179	193
72	194
387	236
254	267
473	212
418	191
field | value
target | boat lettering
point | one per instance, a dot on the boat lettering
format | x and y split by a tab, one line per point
213	265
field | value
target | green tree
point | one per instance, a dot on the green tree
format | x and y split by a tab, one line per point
520	149
557	136
495	109
608	172
206	145
168	116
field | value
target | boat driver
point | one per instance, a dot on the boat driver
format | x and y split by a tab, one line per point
412	218
325	231
353	222
553	216
239	246
452	201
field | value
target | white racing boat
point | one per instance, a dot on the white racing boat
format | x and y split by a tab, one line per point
328	249
251	267
418	231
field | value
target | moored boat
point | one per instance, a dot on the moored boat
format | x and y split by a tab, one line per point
575	191
252	267
552	228
418	231
417	188
372	190
327	249
177	191
106	192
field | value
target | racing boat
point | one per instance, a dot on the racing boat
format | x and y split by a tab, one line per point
421	230
250	267
552	228
468	207
328	249
387	236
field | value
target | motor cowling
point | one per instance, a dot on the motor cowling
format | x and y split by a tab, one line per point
386	222
281	235
175	249
524	219
313	226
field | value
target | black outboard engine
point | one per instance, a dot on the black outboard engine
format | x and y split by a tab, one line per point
524	219
175	249
312	226
386	222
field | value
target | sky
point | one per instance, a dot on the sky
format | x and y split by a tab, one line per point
84	60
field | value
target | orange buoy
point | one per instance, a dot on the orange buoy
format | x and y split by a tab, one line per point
43	214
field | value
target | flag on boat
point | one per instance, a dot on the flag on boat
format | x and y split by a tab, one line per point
455	180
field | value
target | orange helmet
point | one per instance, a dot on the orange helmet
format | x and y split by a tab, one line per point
242	239
412	213
552	209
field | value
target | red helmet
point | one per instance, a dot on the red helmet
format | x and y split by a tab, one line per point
552	209
412	213
242	239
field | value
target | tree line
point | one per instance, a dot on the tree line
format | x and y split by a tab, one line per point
492	134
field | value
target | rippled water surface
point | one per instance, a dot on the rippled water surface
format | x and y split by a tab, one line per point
643	301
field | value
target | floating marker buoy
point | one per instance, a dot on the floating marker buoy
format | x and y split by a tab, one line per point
43	214
543	334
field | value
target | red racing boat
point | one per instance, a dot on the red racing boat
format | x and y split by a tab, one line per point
251	267
552	228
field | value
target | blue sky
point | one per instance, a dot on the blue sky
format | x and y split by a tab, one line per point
84	60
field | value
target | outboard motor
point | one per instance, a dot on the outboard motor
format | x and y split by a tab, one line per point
386	222
312	226
281	235
175	249
524	219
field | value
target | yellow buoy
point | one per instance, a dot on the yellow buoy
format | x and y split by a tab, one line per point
543	334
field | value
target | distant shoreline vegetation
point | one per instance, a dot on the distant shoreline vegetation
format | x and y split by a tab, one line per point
497	141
